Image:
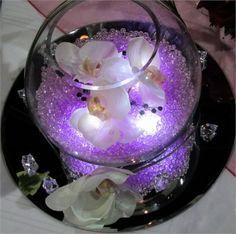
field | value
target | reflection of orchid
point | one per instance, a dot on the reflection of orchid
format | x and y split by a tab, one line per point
139	52
95	200
105	122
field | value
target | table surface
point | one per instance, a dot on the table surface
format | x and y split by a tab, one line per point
214	213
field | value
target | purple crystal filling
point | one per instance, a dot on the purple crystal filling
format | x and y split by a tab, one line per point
158	176
56	101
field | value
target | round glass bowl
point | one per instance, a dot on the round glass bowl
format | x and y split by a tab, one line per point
113	83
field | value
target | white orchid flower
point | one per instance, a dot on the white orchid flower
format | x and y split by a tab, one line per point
96	60
139	52
95	200
106	115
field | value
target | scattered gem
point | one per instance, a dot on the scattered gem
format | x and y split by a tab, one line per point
208	131
220	99
124	53
160	108
154	110
141	112
21	94
202	57
161	182
145	106
29	164
50	184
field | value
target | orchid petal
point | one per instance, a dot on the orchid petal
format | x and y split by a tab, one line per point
152	94
67	57
106	135
126	202
115	70
116	102
128	130
87	124
70	218
88	208
114	215
76	115
96	51
125	205
139	51
64	196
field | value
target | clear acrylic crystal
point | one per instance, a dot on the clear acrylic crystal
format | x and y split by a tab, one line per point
21	94
50	184
161	182
29	164
208	131
202	57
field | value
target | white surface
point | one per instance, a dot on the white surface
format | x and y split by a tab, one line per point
214	213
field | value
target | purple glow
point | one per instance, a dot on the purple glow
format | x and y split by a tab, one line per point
57	100
158	176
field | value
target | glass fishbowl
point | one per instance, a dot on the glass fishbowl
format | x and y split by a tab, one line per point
131	70
116	83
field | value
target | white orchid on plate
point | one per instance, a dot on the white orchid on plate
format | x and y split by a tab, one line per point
106	121
95	200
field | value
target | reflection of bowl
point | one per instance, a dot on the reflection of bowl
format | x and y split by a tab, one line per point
54	93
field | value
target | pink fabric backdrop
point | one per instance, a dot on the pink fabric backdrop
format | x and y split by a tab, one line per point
212	39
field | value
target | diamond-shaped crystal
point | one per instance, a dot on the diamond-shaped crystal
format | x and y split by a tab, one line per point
161	182
208	131
29	164
50	184
21	94
202	57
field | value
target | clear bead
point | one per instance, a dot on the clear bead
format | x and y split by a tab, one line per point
208	131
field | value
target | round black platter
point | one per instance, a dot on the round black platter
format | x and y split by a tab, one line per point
20	137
